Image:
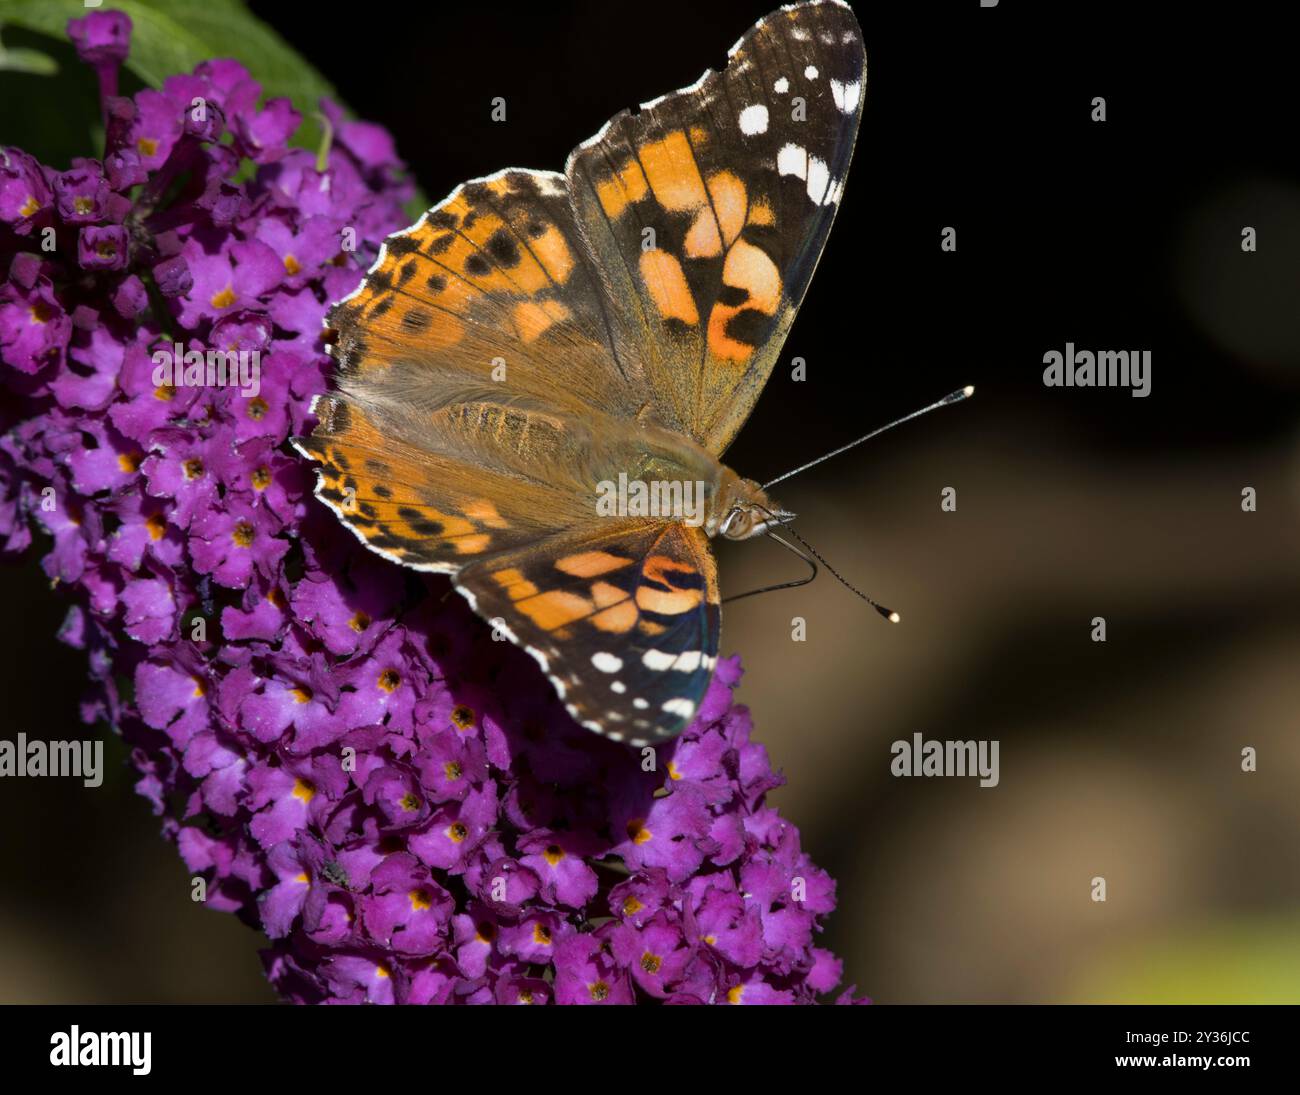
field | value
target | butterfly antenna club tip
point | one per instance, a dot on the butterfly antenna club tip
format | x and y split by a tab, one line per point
949	399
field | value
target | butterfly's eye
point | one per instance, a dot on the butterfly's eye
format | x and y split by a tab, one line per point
737	524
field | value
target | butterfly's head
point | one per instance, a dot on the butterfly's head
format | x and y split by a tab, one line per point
749	512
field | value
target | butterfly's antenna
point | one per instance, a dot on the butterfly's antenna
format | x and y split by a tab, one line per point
953	397
888	614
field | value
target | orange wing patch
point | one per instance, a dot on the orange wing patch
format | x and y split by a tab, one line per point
672	173
517	587
728	200
666	282
621	188
757	283
590	564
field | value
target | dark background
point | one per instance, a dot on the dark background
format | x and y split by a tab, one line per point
1119	759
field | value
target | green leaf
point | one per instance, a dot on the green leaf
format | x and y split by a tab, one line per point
167	37
53	117
171	36
29	61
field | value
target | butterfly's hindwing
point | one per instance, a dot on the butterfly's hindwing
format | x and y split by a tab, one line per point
625	623
438	510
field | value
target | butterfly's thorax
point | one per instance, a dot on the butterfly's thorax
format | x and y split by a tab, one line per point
667	463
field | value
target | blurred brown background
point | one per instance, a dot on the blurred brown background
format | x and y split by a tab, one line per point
1119	759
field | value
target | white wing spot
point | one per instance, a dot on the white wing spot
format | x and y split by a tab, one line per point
640	704
606	663
792	160
658	659
781	86
811	72
846	95
689	661
618	686
819	177
753	120
679	706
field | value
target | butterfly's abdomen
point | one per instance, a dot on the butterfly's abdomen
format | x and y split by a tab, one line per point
519	437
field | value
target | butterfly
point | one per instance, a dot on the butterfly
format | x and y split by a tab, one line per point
534	384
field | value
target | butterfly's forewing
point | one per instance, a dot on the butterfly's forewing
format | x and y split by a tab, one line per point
472	367
492	288
709	209
626	621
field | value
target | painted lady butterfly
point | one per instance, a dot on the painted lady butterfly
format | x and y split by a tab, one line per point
537	335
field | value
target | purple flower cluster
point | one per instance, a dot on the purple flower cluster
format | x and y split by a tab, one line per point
336	745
